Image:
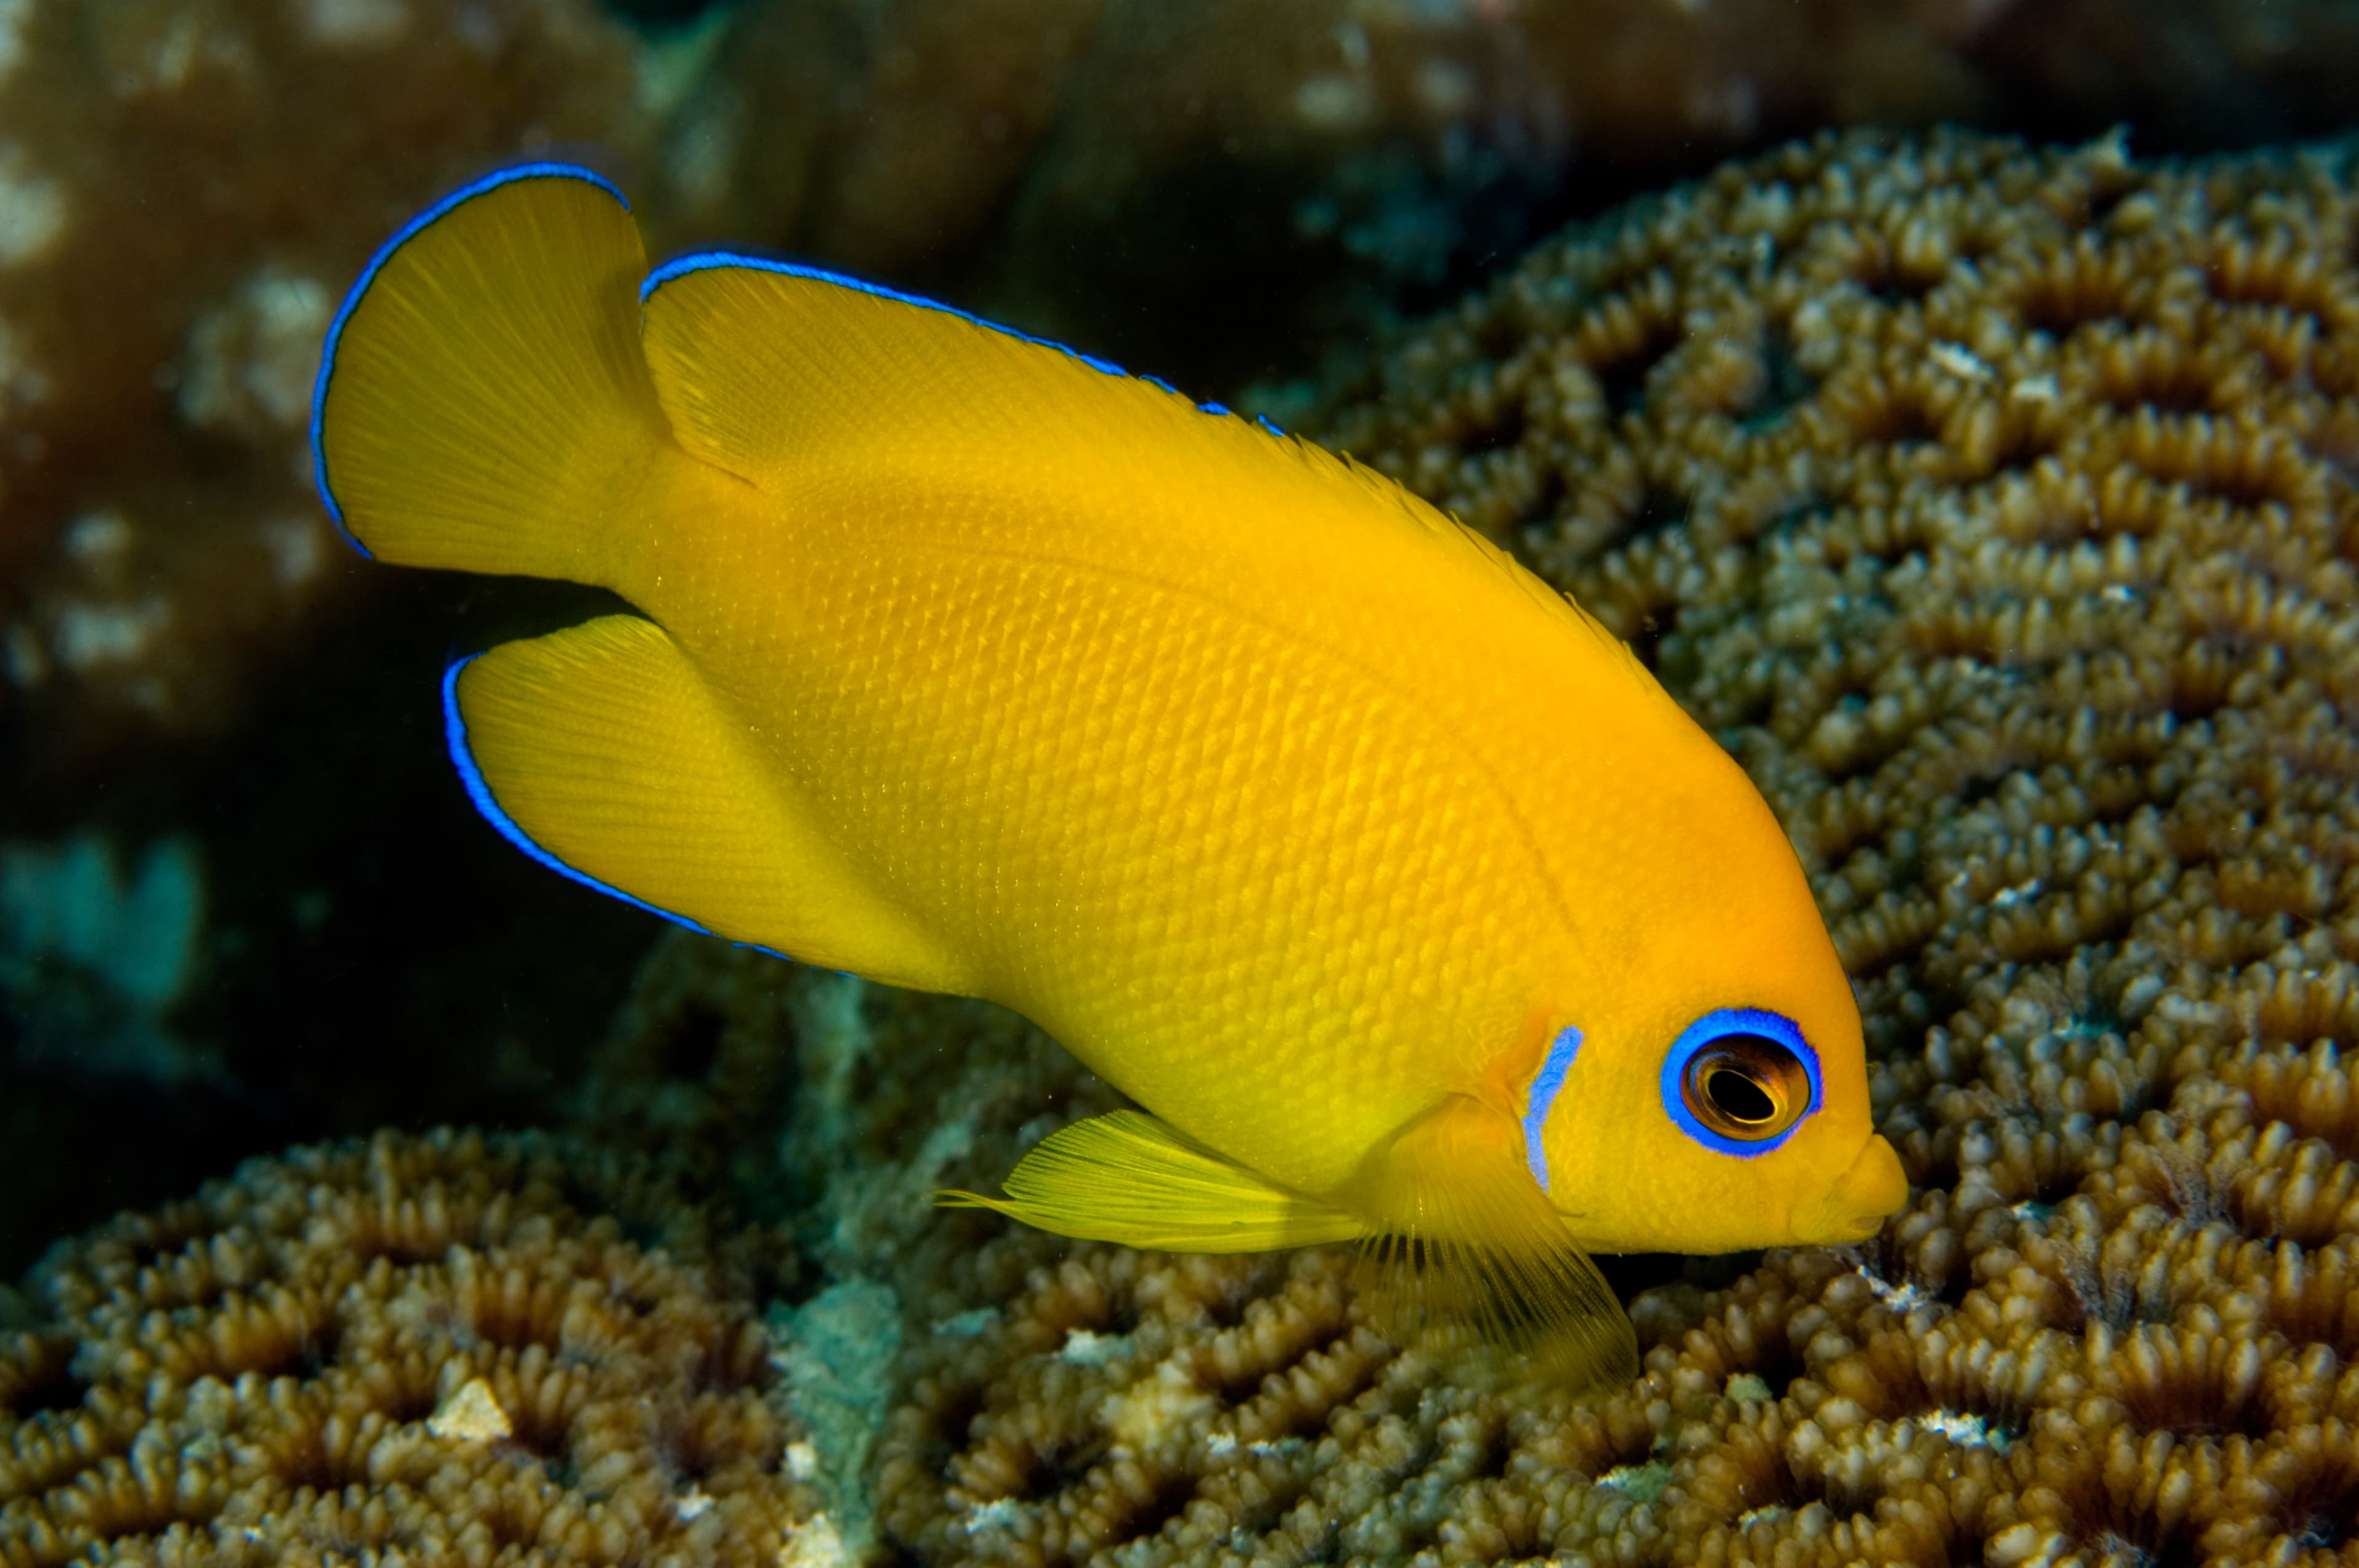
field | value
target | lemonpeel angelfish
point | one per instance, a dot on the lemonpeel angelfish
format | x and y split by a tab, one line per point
1397	891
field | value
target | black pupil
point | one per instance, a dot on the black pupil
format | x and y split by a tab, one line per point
1737	1095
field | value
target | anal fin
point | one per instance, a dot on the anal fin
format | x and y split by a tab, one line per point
1128	1177
601	752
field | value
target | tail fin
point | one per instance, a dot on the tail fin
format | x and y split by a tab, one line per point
482	393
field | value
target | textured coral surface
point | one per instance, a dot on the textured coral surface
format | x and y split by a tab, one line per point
411	1349
1271	174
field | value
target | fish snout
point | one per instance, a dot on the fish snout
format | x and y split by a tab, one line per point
1856	1207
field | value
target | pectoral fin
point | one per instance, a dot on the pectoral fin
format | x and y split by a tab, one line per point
1127	1177
1464	1245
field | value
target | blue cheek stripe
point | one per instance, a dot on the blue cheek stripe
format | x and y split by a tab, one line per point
1718	1025
1546	1084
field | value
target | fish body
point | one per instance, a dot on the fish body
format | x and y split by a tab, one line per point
1386	879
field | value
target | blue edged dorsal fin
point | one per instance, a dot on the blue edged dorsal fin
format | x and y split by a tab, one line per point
757	360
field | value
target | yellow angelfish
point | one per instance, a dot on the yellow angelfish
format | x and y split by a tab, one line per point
1382	877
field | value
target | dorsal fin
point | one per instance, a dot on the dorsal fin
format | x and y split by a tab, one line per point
768	368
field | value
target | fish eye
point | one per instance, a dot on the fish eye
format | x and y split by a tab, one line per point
1739	1080
1746	1085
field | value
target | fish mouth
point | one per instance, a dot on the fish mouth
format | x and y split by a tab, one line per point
1863	1198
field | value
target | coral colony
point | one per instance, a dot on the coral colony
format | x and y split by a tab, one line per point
416	1349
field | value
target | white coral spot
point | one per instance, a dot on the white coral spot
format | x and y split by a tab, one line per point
88	635
1447	90
21	651
176	55
298	547
996	1514
1157	1408
1967	1431
1084	1348
816	1544
355	24
1334	103
1959	360
471	1415
32	208
98	537
13	16
21	384
1901	1298
253	360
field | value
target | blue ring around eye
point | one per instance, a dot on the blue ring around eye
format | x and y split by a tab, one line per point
1719	1024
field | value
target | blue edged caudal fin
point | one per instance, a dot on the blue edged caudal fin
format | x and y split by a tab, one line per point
482	398
599	752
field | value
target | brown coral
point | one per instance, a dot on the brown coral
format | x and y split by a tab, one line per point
1280	169
2027	595
409	1347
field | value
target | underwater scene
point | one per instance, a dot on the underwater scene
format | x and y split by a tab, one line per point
921	783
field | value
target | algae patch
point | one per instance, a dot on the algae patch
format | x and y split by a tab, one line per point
836	1352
